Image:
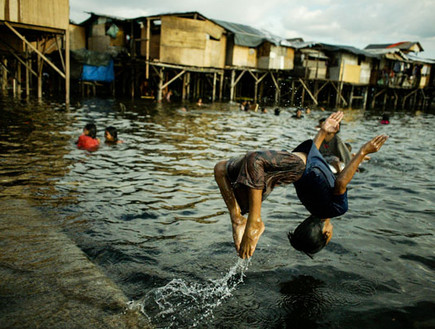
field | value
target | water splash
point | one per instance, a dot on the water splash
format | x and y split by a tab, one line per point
187	304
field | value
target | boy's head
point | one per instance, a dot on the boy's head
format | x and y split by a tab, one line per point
312	235
90	130
111	134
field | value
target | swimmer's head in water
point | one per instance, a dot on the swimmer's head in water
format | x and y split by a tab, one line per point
90	130
311	236
111	134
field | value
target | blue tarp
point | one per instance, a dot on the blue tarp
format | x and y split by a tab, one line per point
98	73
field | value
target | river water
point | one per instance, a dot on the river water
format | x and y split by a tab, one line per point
150	215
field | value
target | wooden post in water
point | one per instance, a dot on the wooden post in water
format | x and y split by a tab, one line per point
385	99
28	62
19	79
4	82
147	67
214	87
255	87
365	91
351	96
329	96
188	85
292	100
221	86
233	74
67	69
183	88
159	89
40	65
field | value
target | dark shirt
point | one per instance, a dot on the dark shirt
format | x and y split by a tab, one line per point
315	188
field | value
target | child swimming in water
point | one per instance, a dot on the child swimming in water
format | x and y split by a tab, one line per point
88	140
111	135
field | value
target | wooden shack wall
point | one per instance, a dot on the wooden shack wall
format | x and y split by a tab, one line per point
366	69
77	37
348	70
275	57
425	76
244	56
46	13
316	69
191	42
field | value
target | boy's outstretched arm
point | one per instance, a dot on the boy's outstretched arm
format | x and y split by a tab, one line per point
331	125
346	175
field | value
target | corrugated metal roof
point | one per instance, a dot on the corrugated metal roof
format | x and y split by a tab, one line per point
349	49
248	36
402	45
415	58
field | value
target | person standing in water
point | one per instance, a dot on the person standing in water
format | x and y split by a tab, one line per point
111	135
88	140
246	181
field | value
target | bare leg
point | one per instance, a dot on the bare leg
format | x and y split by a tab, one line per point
254	227
238	222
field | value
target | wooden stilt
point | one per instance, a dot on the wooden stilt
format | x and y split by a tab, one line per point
232	86
385	100
351	95
292	99
18	79
4	82
188	85
365	91
40	64
67	69
27	59
214	87
160	89
221	86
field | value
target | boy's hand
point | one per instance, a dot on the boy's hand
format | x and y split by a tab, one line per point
374	145
332	123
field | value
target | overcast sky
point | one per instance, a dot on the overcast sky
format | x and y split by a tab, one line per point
354	23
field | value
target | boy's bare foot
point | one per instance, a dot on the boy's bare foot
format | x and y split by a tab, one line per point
253	231
238	224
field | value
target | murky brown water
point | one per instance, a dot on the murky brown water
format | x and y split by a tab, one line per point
149	214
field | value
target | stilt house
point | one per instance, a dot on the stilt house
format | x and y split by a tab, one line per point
27	27
182	39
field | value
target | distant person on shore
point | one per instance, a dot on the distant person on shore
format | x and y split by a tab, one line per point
385	119
111	136
298	114
263	110
247	180
199	102
248	106
88	140
168	96
243	106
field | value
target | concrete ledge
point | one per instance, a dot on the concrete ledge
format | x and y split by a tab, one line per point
48	282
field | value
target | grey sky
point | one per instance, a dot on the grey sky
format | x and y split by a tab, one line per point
346	22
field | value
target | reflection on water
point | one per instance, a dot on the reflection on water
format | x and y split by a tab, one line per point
150	215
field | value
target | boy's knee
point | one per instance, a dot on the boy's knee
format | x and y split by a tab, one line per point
219	169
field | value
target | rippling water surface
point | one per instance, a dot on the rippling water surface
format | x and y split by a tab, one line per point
149	213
